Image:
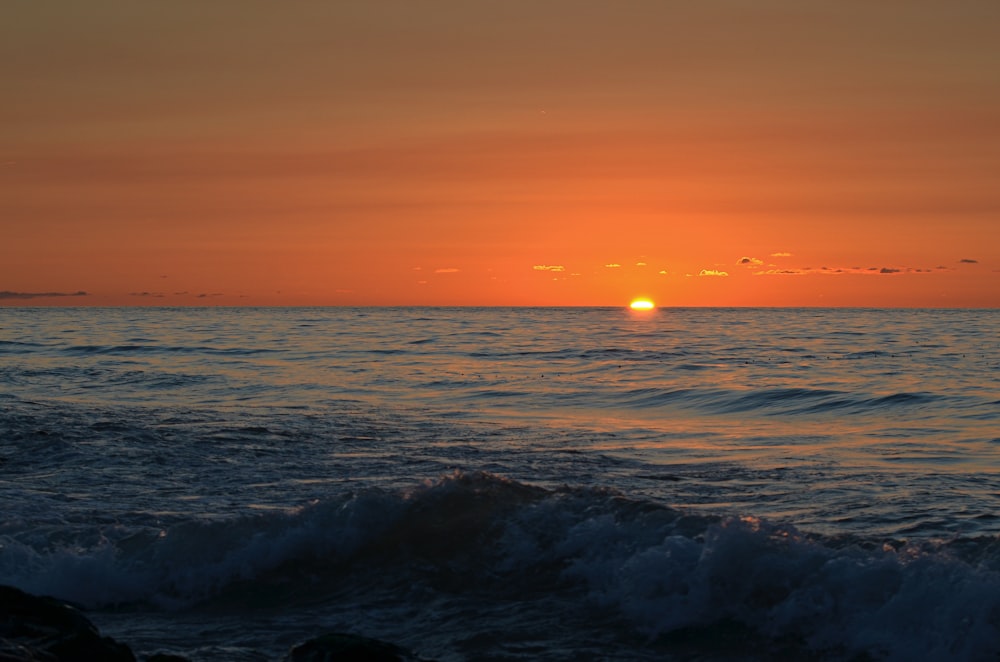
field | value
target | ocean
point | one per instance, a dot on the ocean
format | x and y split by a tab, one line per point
510	483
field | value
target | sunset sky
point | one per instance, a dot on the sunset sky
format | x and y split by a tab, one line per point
500	152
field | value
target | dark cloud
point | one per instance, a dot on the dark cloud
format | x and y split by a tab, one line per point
887	270
7	294
967	260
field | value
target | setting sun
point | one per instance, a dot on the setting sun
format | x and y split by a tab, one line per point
641	304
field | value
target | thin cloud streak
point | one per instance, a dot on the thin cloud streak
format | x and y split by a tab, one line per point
837	271
7	294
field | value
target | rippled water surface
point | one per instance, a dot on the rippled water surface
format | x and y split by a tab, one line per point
130	437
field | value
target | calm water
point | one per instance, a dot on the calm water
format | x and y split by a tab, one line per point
510	483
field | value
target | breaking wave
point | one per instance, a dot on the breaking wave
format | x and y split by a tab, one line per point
661	571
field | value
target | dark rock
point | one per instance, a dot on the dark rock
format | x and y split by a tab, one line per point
44	629
341	647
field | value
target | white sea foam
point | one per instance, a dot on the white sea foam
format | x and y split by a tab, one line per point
661	569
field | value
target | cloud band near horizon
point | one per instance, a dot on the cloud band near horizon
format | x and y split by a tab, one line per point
7	294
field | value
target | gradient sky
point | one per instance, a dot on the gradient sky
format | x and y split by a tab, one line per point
500	152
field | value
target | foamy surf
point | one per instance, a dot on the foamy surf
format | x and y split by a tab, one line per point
640	568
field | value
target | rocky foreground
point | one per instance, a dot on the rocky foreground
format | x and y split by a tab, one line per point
41	629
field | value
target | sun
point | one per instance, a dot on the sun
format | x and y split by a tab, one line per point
642	303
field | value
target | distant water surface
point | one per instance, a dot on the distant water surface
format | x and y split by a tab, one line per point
589	465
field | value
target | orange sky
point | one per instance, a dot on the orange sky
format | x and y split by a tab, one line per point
553	152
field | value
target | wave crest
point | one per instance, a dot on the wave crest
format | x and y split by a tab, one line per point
664	571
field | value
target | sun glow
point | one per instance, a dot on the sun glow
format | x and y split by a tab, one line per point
641	304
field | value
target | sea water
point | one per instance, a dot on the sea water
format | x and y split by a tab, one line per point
509	483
